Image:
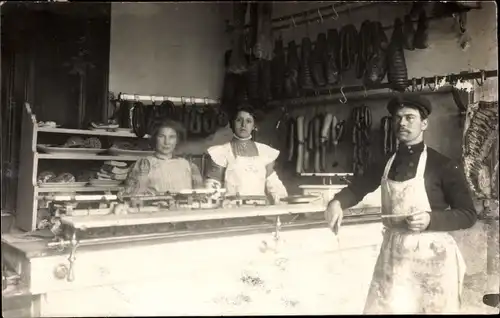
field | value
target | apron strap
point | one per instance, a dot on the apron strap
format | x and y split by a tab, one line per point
422	163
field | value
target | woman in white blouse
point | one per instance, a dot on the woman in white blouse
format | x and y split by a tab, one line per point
243	166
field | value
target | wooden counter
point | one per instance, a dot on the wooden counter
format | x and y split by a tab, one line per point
210	263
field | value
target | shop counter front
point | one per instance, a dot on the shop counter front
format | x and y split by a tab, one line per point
221	262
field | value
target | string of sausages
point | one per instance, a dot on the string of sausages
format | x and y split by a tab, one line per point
362	122
310	137
199	120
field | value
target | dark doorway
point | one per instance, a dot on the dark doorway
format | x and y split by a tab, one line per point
56	57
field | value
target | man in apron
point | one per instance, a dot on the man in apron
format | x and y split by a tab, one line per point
424	196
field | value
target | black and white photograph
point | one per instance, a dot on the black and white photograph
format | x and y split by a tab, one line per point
249	158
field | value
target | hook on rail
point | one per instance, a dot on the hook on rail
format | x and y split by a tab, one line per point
344	100
336	16
433	88
320	16
483	77
293	22
422	84
365	93
413	84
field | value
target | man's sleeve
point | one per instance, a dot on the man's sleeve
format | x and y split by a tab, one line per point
462	213
361	186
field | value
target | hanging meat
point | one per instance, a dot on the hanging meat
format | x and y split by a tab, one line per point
318	60
278	69
388	135
480	134
397	73
238	62
365	47
265	81
263	42
376	66
290	142
331	67
422	33
409	34
305	79
253	80
300	143
325	134
292	71
362	121
348	47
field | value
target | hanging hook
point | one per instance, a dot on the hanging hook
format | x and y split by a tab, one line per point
413	84
336	16
483	77
153	101
320	16
433	88
422	84
343	95
365	93
293	22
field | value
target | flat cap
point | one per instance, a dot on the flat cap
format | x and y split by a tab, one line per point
410	100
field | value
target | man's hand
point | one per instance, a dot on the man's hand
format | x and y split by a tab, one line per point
333	215
419	221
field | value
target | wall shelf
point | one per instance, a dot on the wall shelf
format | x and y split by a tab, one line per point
97	132
85	157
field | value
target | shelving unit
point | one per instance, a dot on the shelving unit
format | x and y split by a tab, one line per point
28	190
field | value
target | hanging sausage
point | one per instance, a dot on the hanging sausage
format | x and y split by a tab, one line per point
300	143
331	68
318	60
292	71
305	80
397	71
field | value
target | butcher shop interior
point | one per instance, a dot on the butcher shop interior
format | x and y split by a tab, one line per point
178	158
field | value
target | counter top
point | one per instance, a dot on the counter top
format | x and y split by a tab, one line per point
86	222
32	247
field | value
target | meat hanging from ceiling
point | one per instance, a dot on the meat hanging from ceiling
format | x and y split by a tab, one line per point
480	135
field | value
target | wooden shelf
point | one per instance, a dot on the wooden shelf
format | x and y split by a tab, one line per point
100	132
87	157
79	189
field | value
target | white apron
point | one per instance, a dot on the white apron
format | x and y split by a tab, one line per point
415	272
245	175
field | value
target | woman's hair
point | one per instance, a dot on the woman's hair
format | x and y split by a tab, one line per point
179	129
244	108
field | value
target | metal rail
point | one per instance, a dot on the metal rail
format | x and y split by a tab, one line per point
175	100
330	93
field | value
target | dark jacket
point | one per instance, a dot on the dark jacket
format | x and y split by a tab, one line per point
449	197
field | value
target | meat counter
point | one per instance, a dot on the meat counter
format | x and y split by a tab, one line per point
211	262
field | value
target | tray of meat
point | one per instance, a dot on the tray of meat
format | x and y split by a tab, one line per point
48	179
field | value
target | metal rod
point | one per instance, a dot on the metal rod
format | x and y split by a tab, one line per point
333	91
326	16
326	174
388	27
320	10
175	100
